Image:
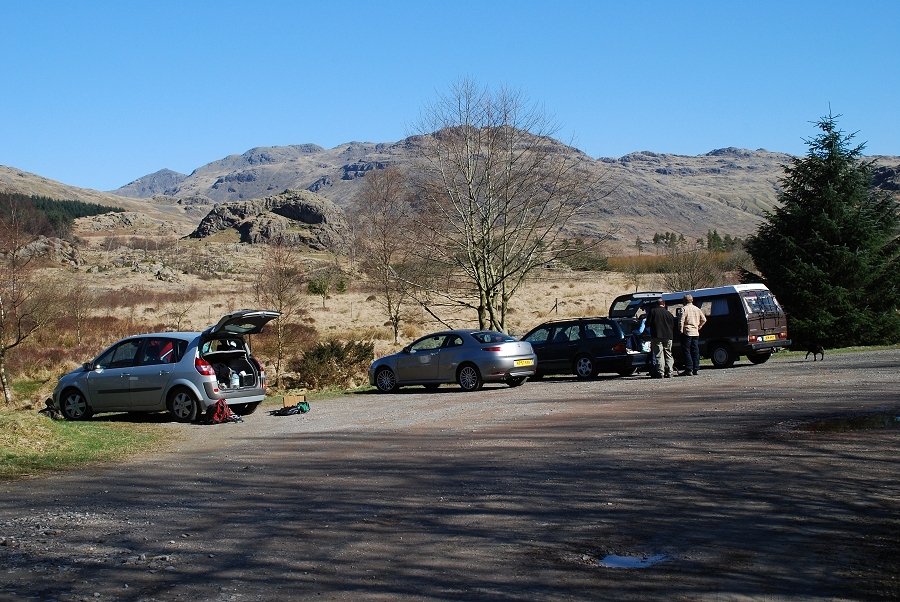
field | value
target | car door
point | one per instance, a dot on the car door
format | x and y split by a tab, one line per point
152	372
109	381
420	361
561	348
451	355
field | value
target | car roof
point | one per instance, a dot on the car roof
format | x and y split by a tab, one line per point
185	335
569	321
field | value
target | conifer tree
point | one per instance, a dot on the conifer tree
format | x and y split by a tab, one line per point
829	252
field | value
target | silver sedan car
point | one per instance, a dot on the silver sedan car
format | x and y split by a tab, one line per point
467	357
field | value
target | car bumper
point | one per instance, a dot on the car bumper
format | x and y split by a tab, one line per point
503	368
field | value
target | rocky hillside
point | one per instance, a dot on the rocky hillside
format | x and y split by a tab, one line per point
296	217
728	189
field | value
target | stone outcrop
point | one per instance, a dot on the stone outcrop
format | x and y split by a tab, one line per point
298	217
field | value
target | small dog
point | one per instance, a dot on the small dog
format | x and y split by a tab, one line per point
815	349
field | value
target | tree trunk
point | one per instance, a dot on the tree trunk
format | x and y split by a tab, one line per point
4	382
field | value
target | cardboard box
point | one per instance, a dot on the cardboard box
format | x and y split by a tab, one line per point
292	400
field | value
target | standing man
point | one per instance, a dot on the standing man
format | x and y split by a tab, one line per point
692	320
662	330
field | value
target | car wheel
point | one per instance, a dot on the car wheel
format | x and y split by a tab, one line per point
386	380
584	367
183	405
760	357
515	381
721	355
627	371
469	378
74	406
245	409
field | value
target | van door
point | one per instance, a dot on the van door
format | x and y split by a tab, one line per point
765	317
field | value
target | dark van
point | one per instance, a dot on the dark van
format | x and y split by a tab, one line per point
742	320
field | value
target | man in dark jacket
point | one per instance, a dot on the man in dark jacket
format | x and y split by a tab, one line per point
662	331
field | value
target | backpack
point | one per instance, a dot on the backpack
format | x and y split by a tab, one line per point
220	412
300	408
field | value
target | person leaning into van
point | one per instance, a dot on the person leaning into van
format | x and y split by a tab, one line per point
692	320
662	331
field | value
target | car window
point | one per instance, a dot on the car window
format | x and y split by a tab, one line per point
453	340
122	355
599	330
538	336
428	343
490	336
567	334
162	351
221	345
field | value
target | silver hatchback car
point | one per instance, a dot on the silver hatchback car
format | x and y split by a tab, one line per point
183	373
466	357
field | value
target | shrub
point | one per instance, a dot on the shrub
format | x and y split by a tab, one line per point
333	364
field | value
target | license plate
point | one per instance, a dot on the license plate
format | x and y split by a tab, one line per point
770	337
520	363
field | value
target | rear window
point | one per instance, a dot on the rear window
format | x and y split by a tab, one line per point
756	302
489	336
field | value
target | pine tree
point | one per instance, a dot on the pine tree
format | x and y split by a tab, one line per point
829	252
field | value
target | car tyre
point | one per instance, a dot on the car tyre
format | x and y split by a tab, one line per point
74	406
515	381
386	380
584	367
721	355
469	378
183	405
759	357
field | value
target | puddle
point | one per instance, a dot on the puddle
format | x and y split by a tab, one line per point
613	561
886	420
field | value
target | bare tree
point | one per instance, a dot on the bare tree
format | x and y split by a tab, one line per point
497	194
691	269
384	219
280	287
27	302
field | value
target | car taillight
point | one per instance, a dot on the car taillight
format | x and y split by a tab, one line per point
782	335
498	348
620	347
204	367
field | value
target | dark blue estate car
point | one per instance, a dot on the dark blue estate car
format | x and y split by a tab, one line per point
586	347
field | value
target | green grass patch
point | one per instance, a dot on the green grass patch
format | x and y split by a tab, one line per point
25	388
32	444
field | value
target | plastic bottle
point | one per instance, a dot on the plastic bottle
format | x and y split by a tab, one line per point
235	380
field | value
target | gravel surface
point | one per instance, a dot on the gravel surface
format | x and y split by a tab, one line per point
773	482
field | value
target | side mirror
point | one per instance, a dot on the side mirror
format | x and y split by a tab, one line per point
405	350
87	366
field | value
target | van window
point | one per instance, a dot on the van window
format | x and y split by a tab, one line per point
756	302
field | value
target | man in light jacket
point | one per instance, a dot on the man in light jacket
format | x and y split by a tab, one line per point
692	320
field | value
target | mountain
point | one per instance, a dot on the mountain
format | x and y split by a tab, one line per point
728	189
180	217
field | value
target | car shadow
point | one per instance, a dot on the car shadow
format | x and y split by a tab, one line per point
136	417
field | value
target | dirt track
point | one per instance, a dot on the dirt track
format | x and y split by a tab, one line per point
504	494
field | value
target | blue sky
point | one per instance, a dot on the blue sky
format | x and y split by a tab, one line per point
97	93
